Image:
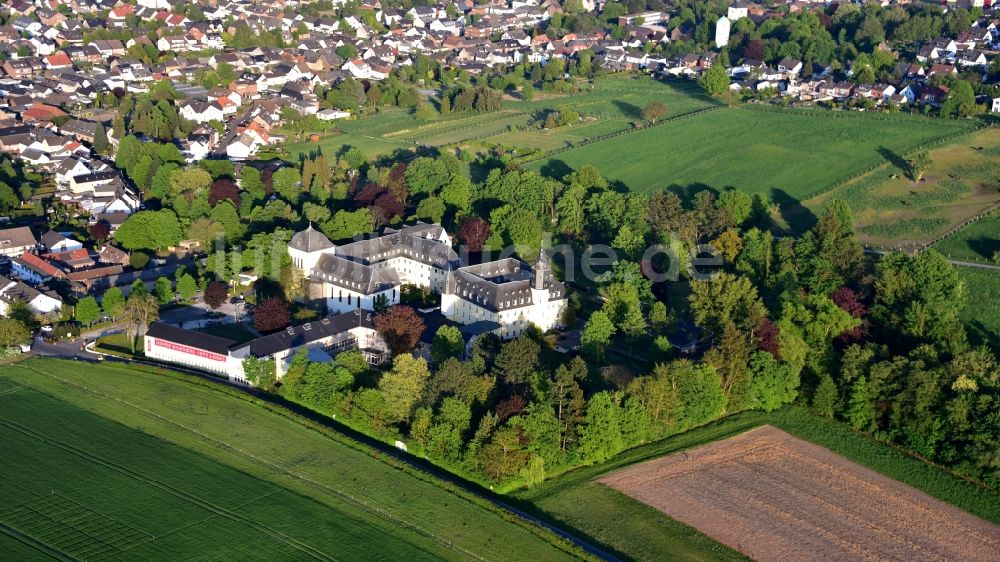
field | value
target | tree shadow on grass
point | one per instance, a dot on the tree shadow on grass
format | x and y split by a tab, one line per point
798	217
985	247
687	192
980	334
556	169
629	110
895	159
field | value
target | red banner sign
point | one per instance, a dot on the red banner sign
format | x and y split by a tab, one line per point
189	350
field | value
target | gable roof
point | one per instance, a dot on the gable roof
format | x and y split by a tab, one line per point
297	336
199	340
17	237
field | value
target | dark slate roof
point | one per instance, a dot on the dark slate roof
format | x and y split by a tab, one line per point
51	238
310	240
500	285
353	266
353	275
190	338
297	336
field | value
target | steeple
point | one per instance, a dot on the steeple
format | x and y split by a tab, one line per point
541	270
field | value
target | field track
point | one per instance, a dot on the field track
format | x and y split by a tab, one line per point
775	497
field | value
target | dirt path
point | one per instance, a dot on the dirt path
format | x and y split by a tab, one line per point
776	497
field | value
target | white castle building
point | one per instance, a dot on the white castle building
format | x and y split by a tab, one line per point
504	296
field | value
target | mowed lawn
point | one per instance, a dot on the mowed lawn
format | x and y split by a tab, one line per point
976	242
795	152
981	314
611	103
119	461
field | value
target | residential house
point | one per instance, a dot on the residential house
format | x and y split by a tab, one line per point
39	302
55	242
34	270
16	241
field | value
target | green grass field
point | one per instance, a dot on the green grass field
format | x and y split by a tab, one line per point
981	314
612	103
123	461
636	531
890	209
796	153
976	242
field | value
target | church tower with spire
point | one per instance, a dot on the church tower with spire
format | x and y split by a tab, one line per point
541	275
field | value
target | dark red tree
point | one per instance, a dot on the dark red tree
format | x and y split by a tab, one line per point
400	328
222	189
267	177
396	182
511	407
100	231
754	49
766	338
271	315
474	232
367	195
848	300
386	207
216	293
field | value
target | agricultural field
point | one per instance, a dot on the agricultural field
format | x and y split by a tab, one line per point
788	154
775	497
960	182
609	104
637	531
975	242
142	463
981	314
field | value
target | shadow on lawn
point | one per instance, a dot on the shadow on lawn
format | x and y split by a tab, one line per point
798	217
985	247
895	159
629	110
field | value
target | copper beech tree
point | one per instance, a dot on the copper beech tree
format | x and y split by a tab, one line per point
401	328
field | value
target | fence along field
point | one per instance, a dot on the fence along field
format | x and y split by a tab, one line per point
957	190
611	103
776	497
213	474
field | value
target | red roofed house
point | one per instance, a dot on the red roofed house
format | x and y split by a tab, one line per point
42	112
74	259
58	60
33	269
121	11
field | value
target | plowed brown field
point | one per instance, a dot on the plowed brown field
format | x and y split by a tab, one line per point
776	497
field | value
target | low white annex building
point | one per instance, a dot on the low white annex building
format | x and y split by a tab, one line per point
505	296
323	339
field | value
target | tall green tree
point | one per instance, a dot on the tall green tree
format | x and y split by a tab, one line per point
87	311
403	385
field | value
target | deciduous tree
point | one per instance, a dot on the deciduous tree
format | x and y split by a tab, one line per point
87	311
400	328
271	315
403	386
216	293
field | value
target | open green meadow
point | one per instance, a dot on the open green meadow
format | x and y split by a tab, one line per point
636	531
790	154
959	183
610	104
976	242
981	314
125	461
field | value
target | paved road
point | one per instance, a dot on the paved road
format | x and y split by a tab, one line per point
220	149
